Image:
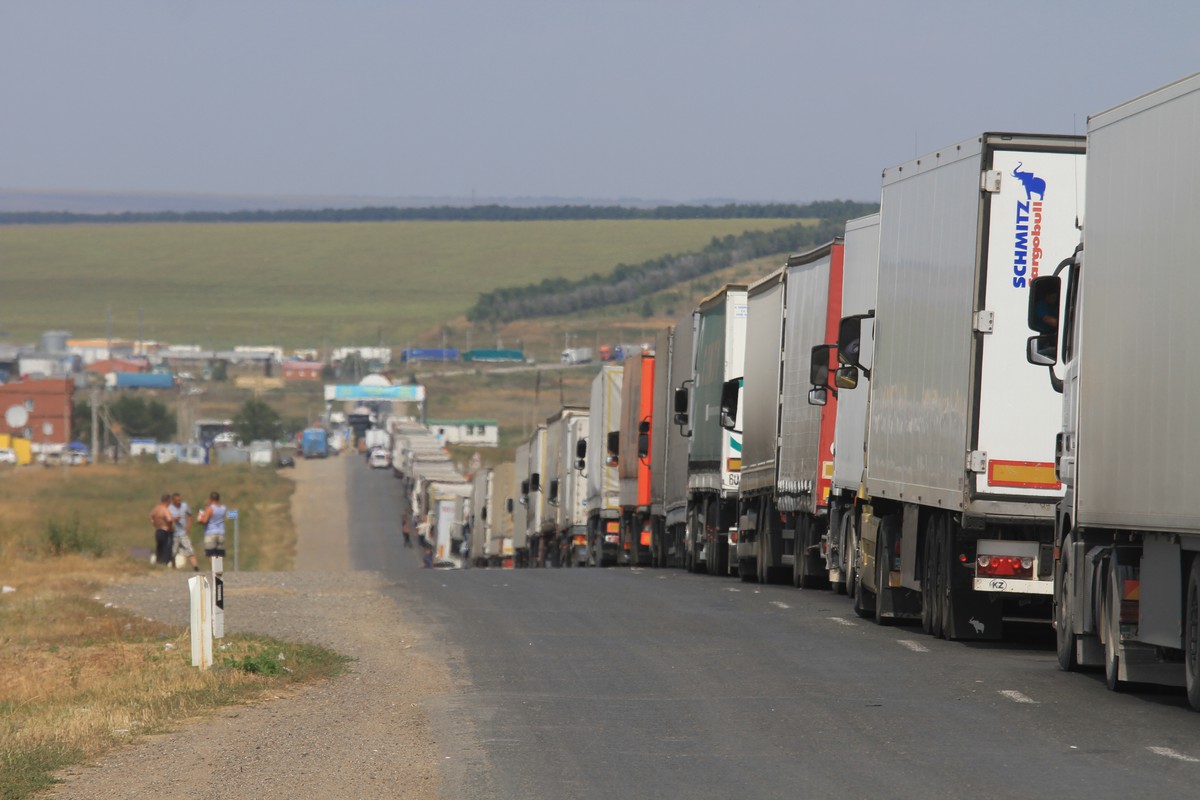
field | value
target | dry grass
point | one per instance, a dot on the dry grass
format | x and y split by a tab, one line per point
79	678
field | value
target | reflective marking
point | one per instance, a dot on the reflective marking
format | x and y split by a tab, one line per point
731	589
1017	697
635	569
1167	752
916	647
842	621
779	604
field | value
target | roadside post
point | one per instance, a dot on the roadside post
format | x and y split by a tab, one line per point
217	596
201	621
233	515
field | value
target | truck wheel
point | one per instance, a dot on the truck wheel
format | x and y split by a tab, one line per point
929	575
881	572
747	570
941	575
1112	628
807	575
944	602
850	556
1191	636
1064	611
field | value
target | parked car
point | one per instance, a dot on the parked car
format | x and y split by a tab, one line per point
8	455
285	460
379	459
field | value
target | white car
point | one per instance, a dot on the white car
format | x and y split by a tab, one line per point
379	459
8	455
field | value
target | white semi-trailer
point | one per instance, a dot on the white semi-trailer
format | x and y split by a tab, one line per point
603	483
959	489
714	453
860	265
788	447
1127	577
675	490
566	492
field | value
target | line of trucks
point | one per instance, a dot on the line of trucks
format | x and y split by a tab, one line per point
874	416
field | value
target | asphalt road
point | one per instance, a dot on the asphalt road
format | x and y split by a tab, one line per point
644	683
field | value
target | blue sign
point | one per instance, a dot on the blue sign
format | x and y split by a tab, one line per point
409	393
231	514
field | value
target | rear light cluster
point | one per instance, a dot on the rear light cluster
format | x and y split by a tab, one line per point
1005	566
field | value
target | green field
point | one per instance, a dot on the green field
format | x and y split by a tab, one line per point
294	285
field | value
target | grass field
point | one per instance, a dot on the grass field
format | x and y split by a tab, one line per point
305	284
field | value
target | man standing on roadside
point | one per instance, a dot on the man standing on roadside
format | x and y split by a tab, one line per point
164	530
213	518
182	516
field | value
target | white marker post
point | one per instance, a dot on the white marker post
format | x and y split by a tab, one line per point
218	598
201	620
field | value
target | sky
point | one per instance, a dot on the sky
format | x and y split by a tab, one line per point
670	100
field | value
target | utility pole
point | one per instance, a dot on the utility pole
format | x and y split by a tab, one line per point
94	401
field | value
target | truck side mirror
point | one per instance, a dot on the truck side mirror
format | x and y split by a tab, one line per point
581	449
508	505
1043	304
614	447
1043	350
524	487
681	406
552	498
730	397
643	444
818	396
535	482
845	377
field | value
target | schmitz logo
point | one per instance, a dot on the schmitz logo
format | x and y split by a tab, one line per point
1027	249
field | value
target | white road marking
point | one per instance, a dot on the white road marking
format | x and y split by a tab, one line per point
1017	697
842	621
732	589
916	647
1167	752
779	604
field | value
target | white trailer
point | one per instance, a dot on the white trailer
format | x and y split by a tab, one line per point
566	493
956	526
860	267
603	484
788	457
714	453
675	437
518	506
1127	576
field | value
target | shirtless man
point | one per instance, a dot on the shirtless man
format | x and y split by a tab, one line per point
164	530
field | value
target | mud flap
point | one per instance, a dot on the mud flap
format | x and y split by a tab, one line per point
974	616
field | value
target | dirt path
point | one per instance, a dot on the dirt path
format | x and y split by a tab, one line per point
364	735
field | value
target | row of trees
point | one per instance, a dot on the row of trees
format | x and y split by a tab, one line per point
630	282
825	209
151	419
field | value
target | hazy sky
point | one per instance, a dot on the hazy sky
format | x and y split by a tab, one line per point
661	99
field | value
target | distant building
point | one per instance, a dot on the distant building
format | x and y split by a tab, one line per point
372	355
480	432
46	408
108	365
93	350
302	370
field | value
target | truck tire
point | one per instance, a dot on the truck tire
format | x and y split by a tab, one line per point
881	572
929	566
1064	611
806	574
944	602
1191	636
851	554
1111	620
